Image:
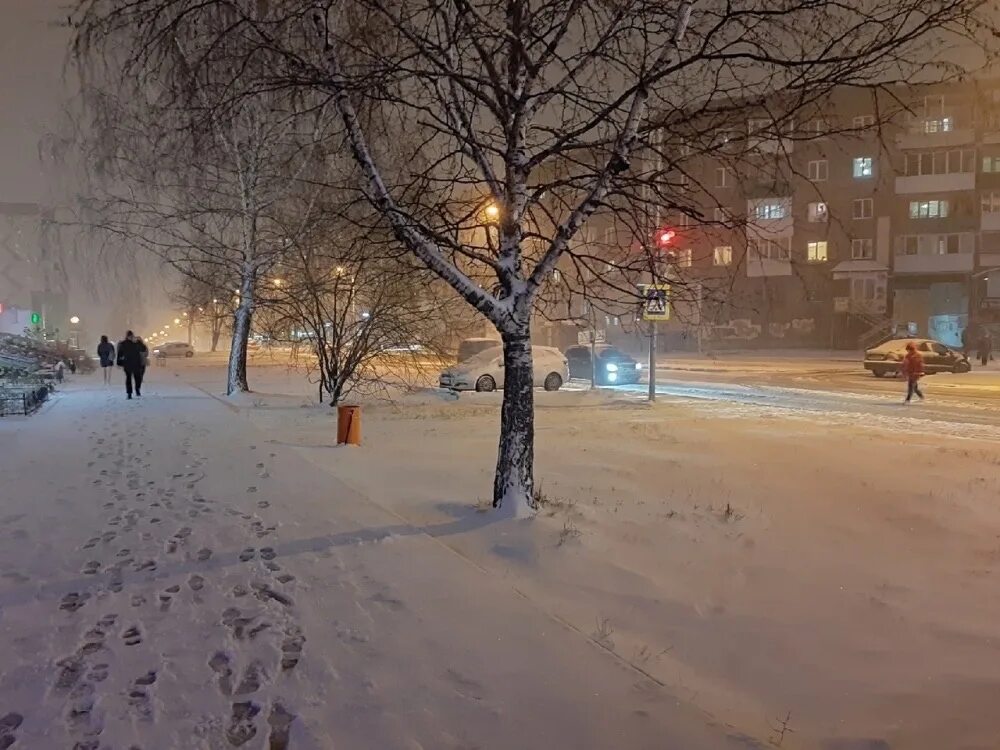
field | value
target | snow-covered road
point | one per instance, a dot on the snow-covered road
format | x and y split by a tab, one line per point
172	579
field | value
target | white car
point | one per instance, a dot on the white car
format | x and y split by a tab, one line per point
484	371
174	349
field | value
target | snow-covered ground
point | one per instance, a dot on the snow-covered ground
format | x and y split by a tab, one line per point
173	576
704	574
820	566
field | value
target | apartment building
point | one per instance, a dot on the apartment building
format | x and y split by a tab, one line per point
849	225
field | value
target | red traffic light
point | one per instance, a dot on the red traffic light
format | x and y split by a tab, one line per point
665	236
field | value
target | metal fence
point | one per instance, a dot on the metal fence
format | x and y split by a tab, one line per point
22	401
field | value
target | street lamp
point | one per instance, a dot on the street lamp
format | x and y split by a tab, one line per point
177	321
492	212
74	320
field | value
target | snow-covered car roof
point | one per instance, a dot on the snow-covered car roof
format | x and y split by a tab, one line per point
900	344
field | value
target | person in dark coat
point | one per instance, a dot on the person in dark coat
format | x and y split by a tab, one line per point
131	358
912	368
985	346
106	353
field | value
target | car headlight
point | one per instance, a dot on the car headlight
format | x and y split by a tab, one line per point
612	377
638	365
611	367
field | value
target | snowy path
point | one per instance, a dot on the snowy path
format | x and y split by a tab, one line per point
170	579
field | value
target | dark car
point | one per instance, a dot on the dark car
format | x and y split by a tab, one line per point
885	359
614	367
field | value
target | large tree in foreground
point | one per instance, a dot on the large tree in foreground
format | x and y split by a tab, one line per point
512	123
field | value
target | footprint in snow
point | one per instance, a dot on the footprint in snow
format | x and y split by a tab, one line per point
241	727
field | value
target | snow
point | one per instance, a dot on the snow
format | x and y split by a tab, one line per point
700	571
173	574
822	563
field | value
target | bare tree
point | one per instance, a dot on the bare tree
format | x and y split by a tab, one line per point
514	124
190	174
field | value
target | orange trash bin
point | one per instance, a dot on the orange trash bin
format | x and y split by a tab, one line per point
349	425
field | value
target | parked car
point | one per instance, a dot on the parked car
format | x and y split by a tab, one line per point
885	358
614	367
174	349
485	371
469	348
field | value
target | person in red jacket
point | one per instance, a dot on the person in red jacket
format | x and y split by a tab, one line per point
913	369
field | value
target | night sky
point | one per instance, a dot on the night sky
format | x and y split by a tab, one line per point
32	55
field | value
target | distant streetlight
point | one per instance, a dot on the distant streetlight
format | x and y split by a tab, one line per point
74	320
163	333
493	212
278	282
167	328
215	301
184	315
340	270
177	321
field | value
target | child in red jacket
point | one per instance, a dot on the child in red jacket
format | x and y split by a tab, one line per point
913	369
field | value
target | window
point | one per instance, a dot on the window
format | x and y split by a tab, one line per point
817	128
928	209
556	275
758	126
940	125
862	249
942	162
818	170
722	256
991	163
681	258
864	121
720	214
935	244
721	177
778	249
991	202
817	212
816	251
863	208
934	105
863	288
770	210
863	166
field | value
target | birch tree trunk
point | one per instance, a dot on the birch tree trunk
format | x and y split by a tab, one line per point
237	374
513	483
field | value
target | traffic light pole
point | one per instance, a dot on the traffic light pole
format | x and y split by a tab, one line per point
652	361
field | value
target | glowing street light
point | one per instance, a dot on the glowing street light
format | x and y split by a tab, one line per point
278	282
74	320
492	212
177	321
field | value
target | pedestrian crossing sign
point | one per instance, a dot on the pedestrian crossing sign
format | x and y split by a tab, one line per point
655	305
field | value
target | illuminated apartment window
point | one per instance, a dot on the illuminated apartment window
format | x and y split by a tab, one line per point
928	209
863	166
817	212
816	251
722	256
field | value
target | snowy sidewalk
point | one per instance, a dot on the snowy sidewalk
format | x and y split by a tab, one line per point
172	580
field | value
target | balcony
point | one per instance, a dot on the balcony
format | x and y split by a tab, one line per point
990	222
758	267
935	183
935	132
934	264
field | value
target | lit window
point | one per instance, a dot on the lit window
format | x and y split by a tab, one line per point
721	177
770	210
817	212
862	249
928	209
818	170
863	166
816	251
864	121
720	215
722	256
862	208
556	276
991	163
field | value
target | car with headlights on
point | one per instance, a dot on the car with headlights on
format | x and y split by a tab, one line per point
886	358
614	367
485	371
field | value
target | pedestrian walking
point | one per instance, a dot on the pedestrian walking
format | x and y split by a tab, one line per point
131	355
985	346
106	353
966	341
912	369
